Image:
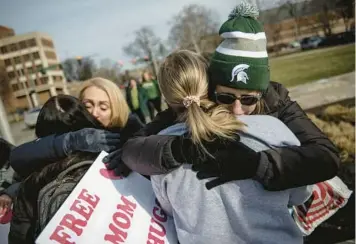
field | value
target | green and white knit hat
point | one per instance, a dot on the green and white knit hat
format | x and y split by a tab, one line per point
241	60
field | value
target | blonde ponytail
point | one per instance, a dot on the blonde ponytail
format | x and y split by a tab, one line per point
183	82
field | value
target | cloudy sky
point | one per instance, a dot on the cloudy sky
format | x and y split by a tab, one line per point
102	27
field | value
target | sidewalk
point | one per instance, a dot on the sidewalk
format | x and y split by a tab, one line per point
325	91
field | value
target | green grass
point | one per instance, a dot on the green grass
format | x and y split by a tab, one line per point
306	66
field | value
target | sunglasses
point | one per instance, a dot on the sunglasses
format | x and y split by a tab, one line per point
228	98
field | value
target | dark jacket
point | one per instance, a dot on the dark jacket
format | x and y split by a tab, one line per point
314	161
36	154
8	178
25	212
142	99
25	209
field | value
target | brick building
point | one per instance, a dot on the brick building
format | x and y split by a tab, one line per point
23	57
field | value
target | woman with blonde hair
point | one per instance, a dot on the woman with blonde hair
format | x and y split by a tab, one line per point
239	78
239	212
105	101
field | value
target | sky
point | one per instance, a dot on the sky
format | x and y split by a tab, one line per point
100	27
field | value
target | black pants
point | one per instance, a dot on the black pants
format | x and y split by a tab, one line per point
140	115
153	104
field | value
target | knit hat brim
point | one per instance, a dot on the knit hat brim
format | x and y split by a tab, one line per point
243	73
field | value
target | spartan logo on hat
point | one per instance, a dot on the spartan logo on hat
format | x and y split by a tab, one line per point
238	71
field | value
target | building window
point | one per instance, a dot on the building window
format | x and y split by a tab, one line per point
31	42
27	57
44	80
38	67
3	49
13	47
15	87
20	72
51	55
47	43
17	60
30	70
7	62
23	45
36	55
11	75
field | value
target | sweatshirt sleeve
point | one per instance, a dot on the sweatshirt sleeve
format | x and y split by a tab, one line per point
144	152
299	195
159	188
33	155
314	161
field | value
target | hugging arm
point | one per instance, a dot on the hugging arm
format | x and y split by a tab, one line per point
314	161
34	155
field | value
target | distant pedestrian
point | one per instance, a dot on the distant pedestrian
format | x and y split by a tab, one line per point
136	99
151	88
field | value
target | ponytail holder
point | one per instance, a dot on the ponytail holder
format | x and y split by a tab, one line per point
188	100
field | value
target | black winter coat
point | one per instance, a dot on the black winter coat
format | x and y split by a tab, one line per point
314	161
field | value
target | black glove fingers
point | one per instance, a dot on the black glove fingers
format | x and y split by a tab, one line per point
205	175
214	183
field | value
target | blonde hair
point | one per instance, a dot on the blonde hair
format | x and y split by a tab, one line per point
183	76
119	107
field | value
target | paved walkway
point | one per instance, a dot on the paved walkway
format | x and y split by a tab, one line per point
325	91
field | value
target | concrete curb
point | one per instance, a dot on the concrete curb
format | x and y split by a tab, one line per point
325	91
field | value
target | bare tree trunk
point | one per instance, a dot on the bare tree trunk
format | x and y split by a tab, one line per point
194	42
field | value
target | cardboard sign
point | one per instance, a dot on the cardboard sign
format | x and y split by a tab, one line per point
104	208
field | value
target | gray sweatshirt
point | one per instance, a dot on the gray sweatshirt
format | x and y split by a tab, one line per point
236	212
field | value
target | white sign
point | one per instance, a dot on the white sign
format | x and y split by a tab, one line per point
104	208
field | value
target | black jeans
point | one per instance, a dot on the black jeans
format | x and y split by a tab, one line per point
153	104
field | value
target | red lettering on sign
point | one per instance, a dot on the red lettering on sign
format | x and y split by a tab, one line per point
121	221
118	235
60	237
157	231
75	221
72	223
92	200
84	211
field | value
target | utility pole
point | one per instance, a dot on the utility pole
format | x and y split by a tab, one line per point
4	124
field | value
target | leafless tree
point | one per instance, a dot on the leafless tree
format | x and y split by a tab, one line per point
86	69
296	10
345	9
109	70
146	43
327	15
191	25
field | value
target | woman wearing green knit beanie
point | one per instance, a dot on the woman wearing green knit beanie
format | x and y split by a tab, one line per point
239	77
239	71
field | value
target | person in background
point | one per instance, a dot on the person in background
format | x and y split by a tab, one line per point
152	92
136	99
105	101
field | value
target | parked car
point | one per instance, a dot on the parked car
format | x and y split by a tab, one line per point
338	39
294	44
30	117
311	42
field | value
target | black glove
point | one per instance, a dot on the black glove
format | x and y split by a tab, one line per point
113	162
90	140
185	151
234	162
